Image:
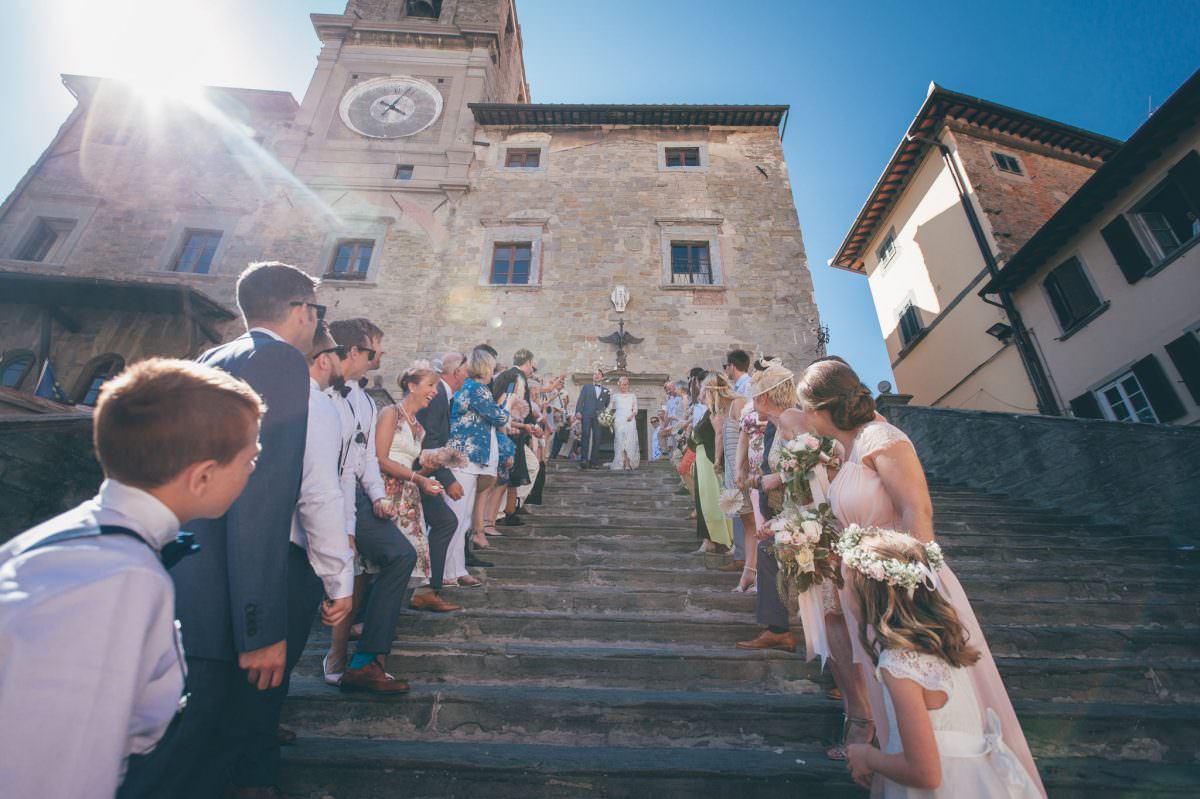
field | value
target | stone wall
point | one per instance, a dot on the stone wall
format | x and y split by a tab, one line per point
46	466
1144	476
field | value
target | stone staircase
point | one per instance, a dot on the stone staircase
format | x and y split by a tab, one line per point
599	660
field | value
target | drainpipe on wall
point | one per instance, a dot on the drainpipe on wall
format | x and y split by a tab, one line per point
1046	402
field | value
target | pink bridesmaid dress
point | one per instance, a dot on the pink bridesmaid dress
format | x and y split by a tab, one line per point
858	496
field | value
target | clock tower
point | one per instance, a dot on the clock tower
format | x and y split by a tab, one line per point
384	123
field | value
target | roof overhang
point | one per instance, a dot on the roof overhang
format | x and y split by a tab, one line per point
560	115
1179	114
73	291
941	105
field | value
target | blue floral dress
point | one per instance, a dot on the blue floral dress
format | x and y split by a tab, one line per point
475	422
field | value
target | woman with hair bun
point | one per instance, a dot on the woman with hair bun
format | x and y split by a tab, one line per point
882	484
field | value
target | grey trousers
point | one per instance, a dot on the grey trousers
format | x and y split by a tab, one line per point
382	543
739	539
770	610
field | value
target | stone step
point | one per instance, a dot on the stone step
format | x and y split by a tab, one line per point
1109	613
585	716
979	584
694	667
371	769
723	630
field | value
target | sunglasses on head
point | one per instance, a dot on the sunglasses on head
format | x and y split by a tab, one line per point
320	309
339	351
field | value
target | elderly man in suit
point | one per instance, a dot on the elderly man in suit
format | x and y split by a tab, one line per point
592	400
232	596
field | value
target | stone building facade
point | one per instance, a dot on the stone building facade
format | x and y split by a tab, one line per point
419	182
970	182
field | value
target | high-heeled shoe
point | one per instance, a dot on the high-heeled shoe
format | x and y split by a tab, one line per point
331	677
749	578
478	540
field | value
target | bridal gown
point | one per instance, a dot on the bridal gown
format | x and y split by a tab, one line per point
858	496
626	448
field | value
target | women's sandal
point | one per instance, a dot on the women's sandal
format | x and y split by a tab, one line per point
469	582
745	585
331	678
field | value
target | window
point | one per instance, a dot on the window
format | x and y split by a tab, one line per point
887	249
15	367
1071	294
1185	354
95	375
429	9
691	263
351	259
1167	220
1125	401
1007	163
404	172
682	156
45	236
196	255
511	264
910	325
523	159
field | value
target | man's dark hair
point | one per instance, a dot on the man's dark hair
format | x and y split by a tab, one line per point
490	349
265	291
740	359
356	332
522	357
322	339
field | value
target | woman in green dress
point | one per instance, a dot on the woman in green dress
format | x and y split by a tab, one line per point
712	525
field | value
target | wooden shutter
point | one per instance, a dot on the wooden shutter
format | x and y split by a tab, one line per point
1132	259
1185	354
1085	406
1186	175
1159	391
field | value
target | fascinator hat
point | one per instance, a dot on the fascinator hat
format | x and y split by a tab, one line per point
772	377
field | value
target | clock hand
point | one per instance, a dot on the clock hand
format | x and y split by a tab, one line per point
392	106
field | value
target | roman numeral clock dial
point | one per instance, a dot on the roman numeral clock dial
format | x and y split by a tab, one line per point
391	107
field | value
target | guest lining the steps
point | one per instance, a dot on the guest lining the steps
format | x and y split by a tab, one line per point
712	527
733	405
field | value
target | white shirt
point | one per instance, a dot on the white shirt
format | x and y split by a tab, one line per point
91	666
742	385
266	332
698	411
319	522
358	414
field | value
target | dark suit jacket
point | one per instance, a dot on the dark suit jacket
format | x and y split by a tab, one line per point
435	418
232	595
587	404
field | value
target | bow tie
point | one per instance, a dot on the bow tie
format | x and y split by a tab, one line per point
362	382
344	391
183	545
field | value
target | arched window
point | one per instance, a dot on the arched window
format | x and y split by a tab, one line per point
15	367
430	9
95	375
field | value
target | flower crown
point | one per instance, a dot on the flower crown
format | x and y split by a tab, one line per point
892	571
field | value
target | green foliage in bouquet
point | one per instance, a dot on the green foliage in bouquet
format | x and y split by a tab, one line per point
804	547
797	459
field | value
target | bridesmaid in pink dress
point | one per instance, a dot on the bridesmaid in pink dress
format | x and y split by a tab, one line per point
882	484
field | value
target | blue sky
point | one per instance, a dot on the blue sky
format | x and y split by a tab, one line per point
854	73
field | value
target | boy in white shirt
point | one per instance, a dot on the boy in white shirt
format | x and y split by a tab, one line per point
91	667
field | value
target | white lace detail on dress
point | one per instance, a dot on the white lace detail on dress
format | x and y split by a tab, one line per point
929	671
876	436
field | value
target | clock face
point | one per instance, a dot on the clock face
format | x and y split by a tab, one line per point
391	107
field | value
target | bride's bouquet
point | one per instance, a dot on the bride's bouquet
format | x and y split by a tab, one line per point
804	547
608	418
797	459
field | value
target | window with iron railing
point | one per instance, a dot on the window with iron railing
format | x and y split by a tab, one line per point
691	263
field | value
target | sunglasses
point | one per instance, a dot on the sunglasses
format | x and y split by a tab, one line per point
320	309
370	353
340	351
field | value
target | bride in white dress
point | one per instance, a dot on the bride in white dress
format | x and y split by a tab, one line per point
626	447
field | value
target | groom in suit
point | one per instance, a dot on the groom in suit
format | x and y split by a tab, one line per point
231	597
592	400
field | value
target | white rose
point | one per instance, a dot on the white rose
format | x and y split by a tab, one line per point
804	559
812	529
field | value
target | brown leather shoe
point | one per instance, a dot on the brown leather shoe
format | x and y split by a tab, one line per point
433	602
373	679
770	640
736	566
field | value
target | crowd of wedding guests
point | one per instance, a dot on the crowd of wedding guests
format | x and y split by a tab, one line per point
303	500
926	712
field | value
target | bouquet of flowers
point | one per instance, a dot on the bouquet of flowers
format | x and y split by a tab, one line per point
804	547
797	459
443	458
608	418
